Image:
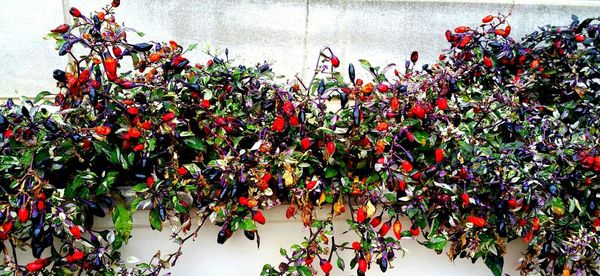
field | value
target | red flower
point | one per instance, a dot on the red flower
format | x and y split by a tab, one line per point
477	221
288	108
278	124
439	155
168	117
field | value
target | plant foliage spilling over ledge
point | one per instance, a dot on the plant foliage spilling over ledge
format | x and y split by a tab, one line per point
496	141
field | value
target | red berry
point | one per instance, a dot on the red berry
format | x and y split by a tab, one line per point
258	217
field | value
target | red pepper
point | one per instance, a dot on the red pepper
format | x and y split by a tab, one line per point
439	155
305	143
375	221
385	228
362	265
361	215
289	212
23	214
258	217
61	29
487	19
110	66
335	61
477	221
325	266
75	231
330	147
397	229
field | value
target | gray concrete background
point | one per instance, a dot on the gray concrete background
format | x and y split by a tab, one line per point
288	33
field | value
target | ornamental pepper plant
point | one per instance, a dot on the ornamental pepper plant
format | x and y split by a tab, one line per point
495	141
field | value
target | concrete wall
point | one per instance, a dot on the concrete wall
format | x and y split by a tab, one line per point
289	33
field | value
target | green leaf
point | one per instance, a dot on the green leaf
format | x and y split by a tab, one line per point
304	271
495	264
195	143
282	251
140	187
365	64
341	264
123	222
71	189
41	95
421	136
155	222
248	225
107	183
330	172
191	47
391	197
437	243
